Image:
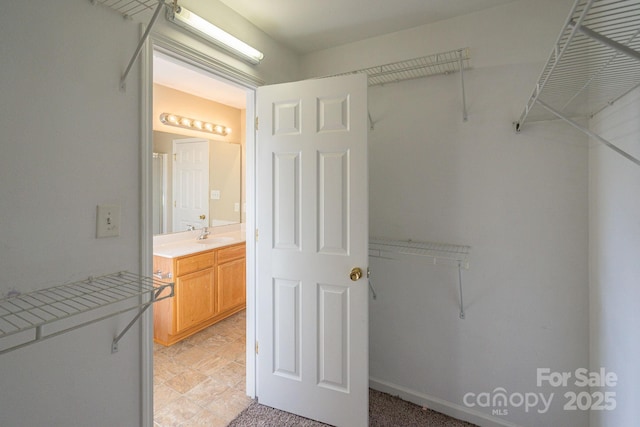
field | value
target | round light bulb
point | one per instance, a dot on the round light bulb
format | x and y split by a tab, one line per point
185	122
172	119
218	128
208	127
227	130
197	124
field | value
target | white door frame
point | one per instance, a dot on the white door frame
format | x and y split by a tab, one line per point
195	58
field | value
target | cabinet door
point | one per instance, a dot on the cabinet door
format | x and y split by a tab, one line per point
231	284
195	298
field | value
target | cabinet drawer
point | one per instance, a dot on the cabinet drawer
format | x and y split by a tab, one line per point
194	263
230	253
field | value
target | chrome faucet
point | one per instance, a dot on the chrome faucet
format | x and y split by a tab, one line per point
203	235
191	227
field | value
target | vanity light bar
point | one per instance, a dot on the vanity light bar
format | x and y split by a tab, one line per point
193	124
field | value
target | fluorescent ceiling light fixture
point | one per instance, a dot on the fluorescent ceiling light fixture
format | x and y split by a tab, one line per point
205	29
170	119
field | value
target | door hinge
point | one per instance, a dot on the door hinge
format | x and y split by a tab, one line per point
257	234
175	156
257	121
257	347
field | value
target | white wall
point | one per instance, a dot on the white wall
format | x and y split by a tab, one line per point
614	244
520	201
71	141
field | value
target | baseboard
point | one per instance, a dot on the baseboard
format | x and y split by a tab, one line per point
439	405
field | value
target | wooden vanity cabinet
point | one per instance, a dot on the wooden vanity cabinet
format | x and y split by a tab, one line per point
209	286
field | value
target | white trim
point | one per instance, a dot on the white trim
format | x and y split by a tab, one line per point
146	229
250	226
184	53
451	409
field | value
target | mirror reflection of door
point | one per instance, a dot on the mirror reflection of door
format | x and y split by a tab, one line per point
225	171
190	184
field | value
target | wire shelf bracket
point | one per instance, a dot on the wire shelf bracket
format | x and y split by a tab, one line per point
68	307
457	255
128	9
594	62
431	65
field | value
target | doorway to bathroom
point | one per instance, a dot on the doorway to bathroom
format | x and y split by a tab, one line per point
203	377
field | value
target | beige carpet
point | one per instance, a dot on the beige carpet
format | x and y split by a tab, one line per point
384	411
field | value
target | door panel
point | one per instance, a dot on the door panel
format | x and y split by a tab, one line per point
286	200
333	324
312	192
333	202
287	328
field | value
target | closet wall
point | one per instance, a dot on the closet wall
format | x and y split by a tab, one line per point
520	202
71	141
614	245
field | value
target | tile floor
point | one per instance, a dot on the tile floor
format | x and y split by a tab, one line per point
200	381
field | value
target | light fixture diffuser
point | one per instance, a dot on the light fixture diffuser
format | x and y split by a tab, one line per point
205	29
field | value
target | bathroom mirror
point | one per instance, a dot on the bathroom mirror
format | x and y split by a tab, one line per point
223	185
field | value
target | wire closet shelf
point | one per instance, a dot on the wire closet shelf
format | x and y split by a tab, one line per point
440	63
438	252
425	66
594	62
129	8
445	253
71	306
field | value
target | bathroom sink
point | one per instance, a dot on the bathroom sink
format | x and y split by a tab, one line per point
216	240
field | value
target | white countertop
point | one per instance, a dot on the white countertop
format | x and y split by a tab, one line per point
186	243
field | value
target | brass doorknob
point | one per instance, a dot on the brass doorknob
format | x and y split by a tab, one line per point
356	274
203	216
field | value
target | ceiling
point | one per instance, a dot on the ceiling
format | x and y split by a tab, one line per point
183	77
306	25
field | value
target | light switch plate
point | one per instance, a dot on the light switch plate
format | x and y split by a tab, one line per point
108	221
215	194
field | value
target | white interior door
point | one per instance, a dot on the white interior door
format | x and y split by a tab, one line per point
312	318
190	183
